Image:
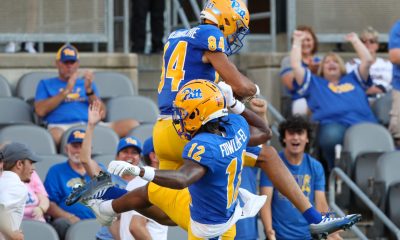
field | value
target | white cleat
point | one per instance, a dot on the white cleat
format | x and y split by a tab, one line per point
103	219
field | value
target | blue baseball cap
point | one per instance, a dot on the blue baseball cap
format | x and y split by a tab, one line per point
148	146
129	142
67	53
76	136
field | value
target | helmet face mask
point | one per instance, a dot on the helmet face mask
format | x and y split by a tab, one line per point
232	18
198	102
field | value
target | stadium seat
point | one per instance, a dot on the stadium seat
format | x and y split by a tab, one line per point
105	140
84	229
381	108
26	86
5	89
14	111
141	108
113	84
393	208
175	233
37	138
142	132
34	230
47	162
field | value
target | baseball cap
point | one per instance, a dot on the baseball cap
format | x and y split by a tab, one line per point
148	146
17	151
76	136
67	53
129	142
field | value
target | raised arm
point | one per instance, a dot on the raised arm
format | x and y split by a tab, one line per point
362	53
94	116
295	57
241	85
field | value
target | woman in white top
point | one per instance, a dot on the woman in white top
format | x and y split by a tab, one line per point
381	69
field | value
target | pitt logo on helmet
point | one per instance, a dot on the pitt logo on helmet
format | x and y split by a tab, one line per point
238	9
192	93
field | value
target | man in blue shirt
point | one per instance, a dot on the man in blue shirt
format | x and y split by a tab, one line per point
63	101
280	217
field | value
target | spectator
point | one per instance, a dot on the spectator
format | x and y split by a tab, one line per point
129	150
381	69
60	180
280	218
63	101
17	161
337	100
138	22
309	60
37	202
132	222
394	56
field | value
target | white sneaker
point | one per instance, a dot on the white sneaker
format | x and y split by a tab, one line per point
103	219
29	47
11	47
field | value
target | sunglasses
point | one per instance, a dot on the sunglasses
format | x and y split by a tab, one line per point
370	41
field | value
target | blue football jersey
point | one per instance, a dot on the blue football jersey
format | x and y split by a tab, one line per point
182	61
214	196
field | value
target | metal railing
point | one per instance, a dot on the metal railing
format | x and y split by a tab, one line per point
93	25
337	172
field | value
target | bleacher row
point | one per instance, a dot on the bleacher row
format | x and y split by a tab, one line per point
19	122
369	157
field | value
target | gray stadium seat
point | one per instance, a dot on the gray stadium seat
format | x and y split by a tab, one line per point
393	208
37	138
15	111
140	108
381	108
5	89
34	230
84	229
26	86
367	137
113	84
387	169
47	162
142	132
175	233
105	140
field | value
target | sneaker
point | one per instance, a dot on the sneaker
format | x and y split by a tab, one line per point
93	189
30	47
329	225
94	205
11	47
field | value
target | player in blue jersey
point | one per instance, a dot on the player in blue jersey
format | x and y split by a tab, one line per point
212	182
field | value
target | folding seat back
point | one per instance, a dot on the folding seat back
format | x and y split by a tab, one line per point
84	229
14	111
142	132
34	230
393	208
27	84
105	140
113	84
381	108
5	89
141	108
47	161
35	137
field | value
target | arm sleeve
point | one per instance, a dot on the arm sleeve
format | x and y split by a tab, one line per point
210	38
394	36
319	176
38	186
199	152
51	186
285	66
306	87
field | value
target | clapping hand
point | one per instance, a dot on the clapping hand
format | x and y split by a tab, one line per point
351	37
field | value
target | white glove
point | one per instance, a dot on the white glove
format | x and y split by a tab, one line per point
121	168
227	91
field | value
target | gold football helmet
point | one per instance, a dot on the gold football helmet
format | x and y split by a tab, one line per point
198	102
232	18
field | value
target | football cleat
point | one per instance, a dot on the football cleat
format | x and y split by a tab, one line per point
329	225
93	189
